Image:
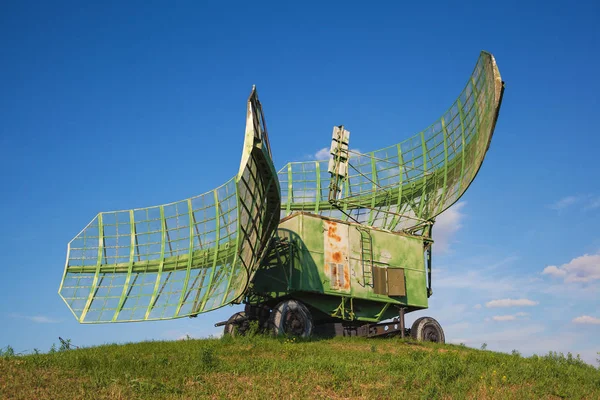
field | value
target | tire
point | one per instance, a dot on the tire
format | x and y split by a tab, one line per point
291	318
234	328
427	329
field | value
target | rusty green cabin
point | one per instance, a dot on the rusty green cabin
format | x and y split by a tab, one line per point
343	269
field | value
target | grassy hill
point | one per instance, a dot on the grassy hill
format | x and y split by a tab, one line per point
262	367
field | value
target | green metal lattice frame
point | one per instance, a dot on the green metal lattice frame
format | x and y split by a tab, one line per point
182	258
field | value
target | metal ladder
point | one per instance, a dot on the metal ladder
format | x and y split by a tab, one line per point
366	249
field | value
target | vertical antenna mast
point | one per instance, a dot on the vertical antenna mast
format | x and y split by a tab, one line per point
338	162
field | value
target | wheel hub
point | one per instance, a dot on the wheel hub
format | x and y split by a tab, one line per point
430	334
294	324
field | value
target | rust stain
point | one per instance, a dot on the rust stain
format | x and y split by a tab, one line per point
336	262
337	257
346	277
332	232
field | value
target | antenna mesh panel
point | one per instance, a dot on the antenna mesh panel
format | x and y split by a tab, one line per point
401	186
182	258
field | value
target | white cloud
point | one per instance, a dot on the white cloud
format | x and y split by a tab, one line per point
587	202
477	306
521	314
586	319
354	151
322	154
564	202
511	317
446	226
325	154
554	271
585	268
510	303
40	319
504	317
505	261
593	203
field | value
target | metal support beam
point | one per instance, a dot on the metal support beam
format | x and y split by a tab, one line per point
402	322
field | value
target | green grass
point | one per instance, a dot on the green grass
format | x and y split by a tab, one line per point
262	367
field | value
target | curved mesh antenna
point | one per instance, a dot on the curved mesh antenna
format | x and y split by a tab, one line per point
182	258
401	186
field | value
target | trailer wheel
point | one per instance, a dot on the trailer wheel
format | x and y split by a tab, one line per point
291	317
233	327
427	329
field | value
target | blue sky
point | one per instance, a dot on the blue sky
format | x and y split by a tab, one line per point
114	106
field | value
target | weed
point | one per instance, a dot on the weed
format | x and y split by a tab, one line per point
7	352
65	344
253	329
561	359
207	358
290	339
